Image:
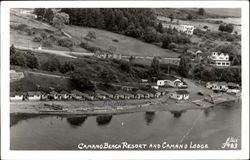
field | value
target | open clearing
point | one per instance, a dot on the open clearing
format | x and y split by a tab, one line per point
124	45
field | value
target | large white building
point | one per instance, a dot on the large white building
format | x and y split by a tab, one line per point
170	81
180	95
219	60
188	29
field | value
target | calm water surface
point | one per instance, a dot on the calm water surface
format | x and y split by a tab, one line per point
212	127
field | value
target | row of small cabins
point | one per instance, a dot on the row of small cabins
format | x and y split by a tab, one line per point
157	90
224	87
97	95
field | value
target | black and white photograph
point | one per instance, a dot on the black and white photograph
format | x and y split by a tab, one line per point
103	78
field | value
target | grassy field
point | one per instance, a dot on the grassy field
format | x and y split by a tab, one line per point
32	82
235	12
124	45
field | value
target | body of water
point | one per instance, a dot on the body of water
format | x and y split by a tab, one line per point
212	126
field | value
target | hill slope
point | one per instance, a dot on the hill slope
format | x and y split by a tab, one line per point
124	45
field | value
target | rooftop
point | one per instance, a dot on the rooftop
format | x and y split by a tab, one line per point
182	92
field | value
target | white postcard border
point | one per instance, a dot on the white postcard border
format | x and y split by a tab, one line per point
5	120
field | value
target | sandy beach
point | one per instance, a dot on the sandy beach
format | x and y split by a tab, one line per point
112	106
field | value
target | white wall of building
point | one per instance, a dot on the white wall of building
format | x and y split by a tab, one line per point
17	98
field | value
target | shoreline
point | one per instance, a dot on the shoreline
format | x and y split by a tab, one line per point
99	107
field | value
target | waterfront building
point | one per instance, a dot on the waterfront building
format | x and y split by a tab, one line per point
34	96
180	95
220	86
64	95
77	95
233	88
16	96
170	81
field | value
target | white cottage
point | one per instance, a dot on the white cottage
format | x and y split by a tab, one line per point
34	96
16	96
180	95
188	29
220	86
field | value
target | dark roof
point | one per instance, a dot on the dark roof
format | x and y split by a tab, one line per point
182	92
63	92
121	92
53	92
91	93
76	92
141	92
161	90
101	92
221	83
152	90
169	77
32	93
233	84
12	94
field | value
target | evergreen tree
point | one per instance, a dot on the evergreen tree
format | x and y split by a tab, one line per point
154	69
201	11
185	66
160	28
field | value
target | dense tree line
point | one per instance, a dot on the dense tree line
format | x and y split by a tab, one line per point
206	73
127	20
23	58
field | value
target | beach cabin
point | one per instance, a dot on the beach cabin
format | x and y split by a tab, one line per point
180	95
77	95
99	94
220	86
162	91
44	96
154	86
15	96
64	95
90	95
233	88
154	92
209	85
139	94
118	95
34	96
128	95
53	95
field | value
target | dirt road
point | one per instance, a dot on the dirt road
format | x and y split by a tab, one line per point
58	52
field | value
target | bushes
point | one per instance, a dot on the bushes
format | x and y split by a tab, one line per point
226	28
65	42
46	43
88	47
208	73
66	67
150	35
132	31
43	35
172	46
31	60
37	39
178	39
20	27
229	37
51	65
22	58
